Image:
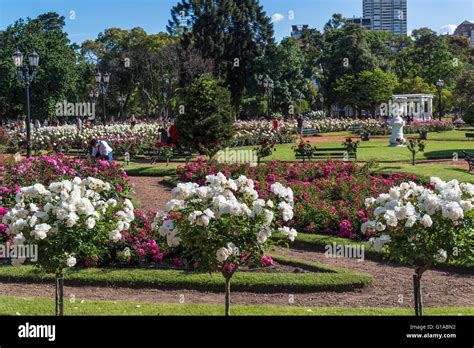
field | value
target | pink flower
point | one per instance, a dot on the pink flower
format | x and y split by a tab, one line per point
228	267
267	260
119	187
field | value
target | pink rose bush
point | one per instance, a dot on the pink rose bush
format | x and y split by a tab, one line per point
223	224
47	169
328	195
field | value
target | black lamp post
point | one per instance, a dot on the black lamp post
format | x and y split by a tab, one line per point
93	97
102	81
440	85
27	74
268	85
121	101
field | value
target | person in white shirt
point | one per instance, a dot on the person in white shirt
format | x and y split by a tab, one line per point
101	150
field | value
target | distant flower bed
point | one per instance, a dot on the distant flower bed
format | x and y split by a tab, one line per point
413	128
141	139
47	169
329	196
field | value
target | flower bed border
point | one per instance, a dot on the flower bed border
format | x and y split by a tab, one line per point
329	279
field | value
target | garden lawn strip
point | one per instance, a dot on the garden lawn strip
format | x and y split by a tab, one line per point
43	306
331	279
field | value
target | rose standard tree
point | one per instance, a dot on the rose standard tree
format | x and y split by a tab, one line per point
70	220
422	225
223	225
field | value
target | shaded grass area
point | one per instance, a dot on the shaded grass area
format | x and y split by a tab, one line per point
318	242
39	306
321	278
427	170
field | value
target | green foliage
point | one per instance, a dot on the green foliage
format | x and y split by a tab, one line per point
60	75
366	90
265	149
207	124
469	115
231	33
415	146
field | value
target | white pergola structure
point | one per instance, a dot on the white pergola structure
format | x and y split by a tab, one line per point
418	105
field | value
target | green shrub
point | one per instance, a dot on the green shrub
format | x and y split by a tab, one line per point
469	115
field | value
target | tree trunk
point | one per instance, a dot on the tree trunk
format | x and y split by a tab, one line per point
417	289
59	277
227	296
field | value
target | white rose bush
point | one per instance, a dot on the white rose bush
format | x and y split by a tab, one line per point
69	220
423	225
223	225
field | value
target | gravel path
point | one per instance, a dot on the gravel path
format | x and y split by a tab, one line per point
391	288
151	192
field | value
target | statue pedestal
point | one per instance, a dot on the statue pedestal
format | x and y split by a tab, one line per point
397	138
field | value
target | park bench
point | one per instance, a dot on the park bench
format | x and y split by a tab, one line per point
334	153
177	154
469	157
355	128
470	136
309	132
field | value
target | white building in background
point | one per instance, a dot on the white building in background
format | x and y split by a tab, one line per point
418	105
389	15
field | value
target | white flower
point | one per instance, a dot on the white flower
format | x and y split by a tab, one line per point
90	222
40	231
71	261
289	233
115	235
426	221
441	256
222	254
452	211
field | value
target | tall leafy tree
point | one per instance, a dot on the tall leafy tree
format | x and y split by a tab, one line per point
286	65
60	69
232	33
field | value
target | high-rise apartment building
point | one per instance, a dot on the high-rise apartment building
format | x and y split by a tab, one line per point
466	29
389	15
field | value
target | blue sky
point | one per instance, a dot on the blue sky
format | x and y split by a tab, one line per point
86	18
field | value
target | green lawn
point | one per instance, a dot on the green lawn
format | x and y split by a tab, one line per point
427	170
38	306
380	151
320	278
147	169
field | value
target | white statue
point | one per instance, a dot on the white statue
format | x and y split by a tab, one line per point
397	138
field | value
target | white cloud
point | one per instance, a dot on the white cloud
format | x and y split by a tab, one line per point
277	17
448	28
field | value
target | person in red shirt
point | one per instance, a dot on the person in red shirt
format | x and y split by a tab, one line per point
276	124
173	132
